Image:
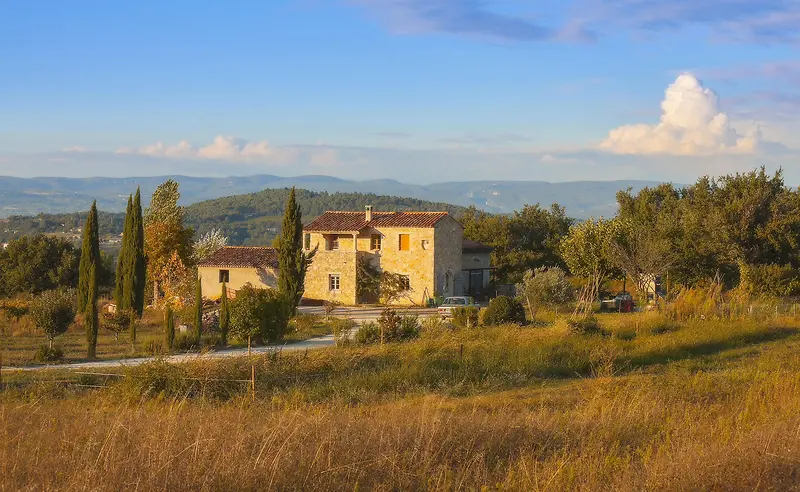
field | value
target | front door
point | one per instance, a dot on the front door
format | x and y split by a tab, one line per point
476	284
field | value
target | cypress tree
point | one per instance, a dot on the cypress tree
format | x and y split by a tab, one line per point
91	321
224	314
198	310
137	279
90	257
121	296
170	322
292	260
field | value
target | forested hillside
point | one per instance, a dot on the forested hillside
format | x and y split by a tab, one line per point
249	219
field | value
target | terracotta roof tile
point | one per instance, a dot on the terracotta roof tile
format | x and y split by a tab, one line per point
242	257
355	221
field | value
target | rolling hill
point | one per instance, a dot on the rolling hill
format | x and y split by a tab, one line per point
31	196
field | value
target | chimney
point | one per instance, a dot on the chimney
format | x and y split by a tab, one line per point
369	213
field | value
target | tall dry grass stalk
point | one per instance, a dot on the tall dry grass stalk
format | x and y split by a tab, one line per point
711	406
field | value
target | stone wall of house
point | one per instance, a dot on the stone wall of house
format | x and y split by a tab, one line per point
448	249
341	262
257	277
417	263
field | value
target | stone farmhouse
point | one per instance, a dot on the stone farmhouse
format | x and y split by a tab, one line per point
426	248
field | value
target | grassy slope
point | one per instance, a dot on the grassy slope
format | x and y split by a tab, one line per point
710	406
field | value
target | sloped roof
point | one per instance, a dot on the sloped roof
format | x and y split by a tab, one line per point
242	257
355	221
475	247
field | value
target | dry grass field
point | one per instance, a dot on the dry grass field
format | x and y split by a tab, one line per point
647	405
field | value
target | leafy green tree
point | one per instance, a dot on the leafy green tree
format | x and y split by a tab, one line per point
527	239
544	287
224	314
587	252
293	261
53	311
91	321
208	244
33	264
258	313
166	239
117	322
90	260
198	310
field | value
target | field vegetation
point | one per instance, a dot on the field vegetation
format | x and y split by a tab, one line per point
645	403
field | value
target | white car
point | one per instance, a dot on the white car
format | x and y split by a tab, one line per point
450	303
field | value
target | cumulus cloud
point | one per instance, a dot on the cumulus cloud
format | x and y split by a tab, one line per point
223	148
691	124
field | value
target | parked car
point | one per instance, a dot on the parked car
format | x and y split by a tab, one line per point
622	302
450	303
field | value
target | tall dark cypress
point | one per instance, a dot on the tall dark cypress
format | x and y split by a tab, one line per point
198	310
292	261
170	326
91	320
138	279
224	314
121	296
90	257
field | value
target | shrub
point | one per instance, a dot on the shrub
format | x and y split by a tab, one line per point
586	326
53	311
304	322
775	280
409	327
184	341
341	329
258	313
214	339
545	287
434	325
502	310
466	316
389	324
369	332
396	328
46	353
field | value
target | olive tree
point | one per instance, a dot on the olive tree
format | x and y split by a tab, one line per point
544	286
53	311
587	252
258	313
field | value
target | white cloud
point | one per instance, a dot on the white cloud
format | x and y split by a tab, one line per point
75	148
223	148
691	124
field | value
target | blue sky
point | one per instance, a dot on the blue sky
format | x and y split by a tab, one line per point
403	89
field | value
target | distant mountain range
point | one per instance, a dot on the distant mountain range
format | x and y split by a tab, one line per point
31	196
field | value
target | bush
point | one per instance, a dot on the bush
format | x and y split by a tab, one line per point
370	332
503	310
53	311
466	316
396	328
435	324
389	323
46	353
304	323
214	340
775	280
341	329
409	327
545	287
184	342
258	313
586	326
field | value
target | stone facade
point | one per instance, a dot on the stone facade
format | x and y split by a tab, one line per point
432	261
261	277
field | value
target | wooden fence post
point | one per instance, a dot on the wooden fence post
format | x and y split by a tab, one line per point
252	382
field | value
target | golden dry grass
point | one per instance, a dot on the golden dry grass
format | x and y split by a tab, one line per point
706	407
